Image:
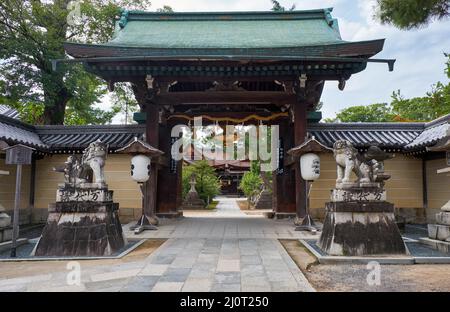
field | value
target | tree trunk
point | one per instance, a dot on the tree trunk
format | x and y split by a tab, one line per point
56	97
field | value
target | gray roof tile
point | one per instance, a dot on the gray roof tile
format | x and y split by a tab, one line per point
13	131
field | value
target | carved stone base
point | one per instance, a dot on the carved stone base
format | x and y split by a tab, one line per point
5	234
5	220
446	207
193	201
264	200
361	228
81	229
443	218
439	232
358	194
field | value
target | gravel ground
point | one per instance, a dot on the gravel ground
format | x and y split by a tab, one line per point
353	277
404	278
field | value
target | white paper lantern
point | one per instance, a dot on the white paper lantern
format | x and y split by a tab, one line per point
310	167
140	168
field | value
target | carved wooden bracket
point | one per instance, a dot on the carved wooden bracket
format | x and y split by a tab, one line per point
145	91
226	86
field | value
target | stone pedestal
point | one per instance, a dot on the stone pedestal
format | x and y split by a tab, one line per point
264	200
83	222
439	233
193	201
360	222
5	226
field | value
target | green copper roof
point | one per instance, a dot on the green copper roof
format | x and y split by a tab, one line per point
275	36
226	30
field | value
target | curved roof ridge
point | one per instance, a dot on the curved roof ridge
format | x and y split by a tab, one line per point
355	126
210	14
439	121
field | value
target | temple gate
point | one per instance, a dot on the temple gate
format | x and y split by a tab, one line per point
272	65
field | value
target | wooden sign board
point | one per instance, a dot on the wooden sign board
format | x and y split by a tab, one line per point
448	157
18	155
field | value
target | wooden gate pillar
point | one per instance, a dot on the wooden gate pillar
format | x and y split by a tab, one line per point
151	186
169	177
300	132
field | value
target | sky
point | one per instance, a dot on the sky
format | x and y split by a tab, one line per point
419	53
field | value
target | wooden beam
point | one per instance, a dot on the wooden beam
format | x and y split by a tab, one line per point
225	98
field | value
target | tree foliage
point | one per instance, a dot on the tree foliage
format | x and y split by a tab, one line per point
408	14
277	7
251	181
370	113
207	186
32	33
434	104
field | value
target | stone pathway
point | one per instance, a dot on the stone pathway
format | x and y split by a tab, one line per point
225	251
202	265
228	221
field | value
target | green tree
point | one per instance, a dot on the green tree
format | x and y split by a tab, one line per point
370	113
434	104
277	7
408	14
427	108
32	33
207	186
251	181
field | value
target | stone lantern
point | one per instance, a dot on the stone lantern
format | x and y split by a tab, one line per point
142	154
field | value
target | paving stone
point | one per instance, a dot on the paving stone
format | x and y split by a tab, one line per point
164	259
197	285
107	284
13	288
25	280
279	276
154	269
249	252
140	284
226	287
252	270
61	288
256	288
254	280
227	278
167	287
185	262
178	275
228	265
251	259
284	286
114	275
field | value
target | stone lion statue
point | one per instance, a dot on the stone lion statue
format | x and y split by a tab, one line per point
93	160
89	168
348	160
368	167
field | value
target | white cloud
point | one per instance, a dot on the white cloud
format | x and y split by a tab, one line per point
419	54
